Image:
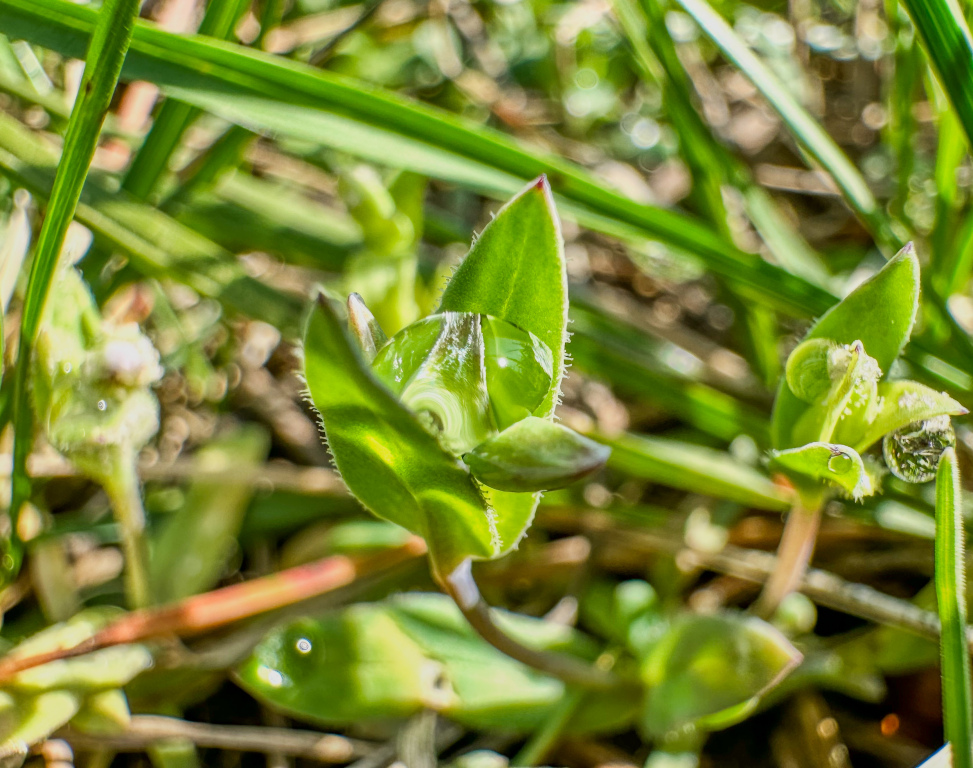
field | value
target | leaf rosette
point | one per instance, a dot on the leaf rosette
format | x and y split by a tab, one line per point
447	428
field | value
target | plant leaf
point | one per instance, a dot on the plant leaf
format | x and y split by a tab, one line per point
901	403
951	599
710	671
828	462
389	461
880	313
417	651
535	455
515	271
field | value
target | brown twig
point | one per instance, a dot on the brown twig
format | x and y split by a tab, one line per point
202	613
145	730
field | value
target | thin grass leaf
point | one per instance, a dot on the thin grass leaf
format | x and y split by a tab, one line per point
696	469
951	598
156	245
808	132
109	42
152	160
949	46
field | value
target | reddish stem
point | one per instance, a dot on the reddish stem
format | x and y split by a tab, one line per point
201	613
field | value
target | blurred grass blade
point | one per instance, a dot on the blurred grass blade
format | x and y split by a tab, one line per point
696	469
805	128
951	597
269	93
949	45
109	42
713	164
156	245
168	127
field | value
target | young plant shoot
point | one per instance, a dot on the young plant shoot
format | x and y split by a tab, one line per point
836	401
447	428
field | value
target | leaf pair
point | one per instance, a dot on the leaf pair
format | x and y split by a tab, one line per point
392	659
413	652
478	380
833	404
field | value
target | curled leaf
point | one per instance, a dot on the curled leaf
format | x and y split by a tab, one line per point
535	455
900	403
879	313
832	463
808	372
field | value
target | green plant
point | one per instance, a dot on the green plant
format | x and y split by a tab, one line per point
836	401
461	384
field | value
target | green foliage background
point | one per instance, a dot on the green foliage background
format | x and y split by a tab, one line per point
724	172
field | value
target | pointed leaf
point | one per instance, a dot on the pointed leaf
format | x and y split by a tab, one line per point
880	313
535	455
389	461
364	328
828	462
515	271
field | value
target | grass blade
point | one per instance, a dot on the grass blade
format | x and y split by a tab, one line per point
951	597
949	45
109	42
175	117
808	132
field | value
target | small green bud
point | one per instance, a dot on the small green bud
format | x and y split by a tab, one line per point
535	455
807	370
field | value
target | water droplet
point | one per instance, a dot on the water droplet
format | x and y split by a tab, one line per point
304	645
66	367
840	463
912	452
102	405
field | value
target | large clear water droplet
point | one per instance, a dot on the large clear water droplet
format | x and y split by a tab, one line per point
467	376
840	463
912	452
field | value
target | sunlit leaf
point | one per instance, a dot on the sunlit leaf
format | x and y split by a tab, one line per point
830	463
535	455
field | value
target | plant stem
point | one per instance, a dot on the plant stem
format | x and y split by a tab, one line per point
144	730
460	586
122	487
793	555
211	610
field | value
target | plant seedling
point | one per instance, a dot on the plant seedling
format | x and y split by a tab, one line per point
447	428
92	394
836	402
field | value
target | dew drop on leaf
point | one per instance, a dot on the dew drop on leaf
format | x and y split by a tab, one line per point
102	405
840	463
912	452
